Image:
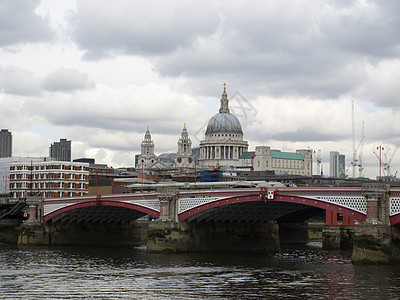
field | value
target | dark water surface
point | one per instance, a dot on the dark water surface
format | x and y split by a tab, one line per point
109	273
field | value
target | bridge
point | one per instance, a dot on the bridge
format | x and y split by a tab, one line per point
291	204
219	218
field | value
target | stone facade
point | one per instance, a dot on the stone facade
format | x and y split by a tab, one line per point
282	163
223	143
147	157
184	158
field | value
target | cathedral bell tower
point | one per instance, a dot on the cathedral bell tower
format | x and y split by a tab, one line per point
147	157
184	157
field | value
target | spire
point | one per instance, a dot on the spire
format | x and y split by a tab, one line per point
147	135
184	131
224	102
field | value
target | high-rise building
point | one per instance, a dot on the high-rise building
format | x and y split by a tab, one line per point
61	151
342	166
337	165
333	164
5	143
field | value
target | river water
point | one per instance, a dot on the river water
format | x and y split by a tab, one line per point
109	273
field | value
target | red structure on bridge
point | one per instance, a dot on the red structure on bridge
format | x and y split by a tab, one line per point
191	205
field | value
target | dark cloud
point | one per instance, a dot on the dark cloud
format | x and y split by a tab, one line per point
278	47
20	24
66	80
319	51
136	27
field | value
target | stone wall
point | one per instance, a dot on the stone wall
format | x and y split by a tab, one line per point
213	236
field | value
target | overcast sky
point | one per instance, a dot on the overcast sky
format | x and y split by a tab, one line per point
99	72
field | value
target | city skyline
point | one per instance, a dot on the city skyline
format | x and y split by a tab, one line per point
291	69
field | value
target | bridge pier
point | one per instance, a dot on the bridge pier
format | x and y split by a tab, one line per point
293	233
376	241
168	234
337	237
32	231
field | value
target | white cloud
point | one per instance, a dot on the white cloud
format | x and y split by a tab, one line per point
65	79
14	80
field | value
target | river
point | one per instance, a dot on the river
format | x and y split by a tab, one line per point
109	273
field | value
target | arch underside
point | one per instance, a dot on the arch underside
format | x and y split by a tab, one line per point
257	211
99	214
288	209
96	212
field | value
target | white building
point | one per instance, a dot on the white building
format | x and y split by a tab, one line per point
147	157
282	163
184	158
223	143
50	179
5	163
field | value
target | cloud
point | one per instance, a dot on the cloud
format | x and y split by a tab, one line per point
16	81
20	24
128	109
134	27
304	49
66	80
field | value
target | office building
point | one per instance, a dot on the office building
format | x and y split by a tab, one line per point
5	143
61	151
337	165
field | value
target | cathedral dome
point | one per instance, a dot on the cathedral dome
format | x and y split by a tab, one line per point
224	122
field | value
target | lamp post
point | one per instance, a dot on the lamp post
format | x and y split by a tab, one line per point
310	150
251	176
5	188
195	174
380	148
142	176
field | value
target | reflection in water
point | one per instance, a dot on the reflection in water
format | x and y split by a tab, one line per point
105	273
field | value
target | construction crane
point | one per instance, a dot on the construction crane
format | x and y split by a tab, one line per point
379	157
387	165
319	161
357	162
354	162
360	151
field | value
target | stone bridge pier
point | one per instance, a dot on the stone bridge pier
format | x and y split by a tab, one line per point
169	234
376	241
32	231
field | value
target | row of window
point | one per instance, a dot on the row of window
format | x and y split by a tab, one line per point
49	176
48	167
44	185
46	194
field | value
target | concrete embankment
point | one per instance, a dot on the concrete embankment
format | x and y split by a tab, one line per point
9	230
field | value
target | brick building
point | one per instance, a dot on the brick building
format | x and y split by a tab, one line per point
50	179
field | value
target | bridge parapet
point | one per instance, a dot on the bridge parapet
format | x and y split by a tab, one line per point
35	209
378	202
168	198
